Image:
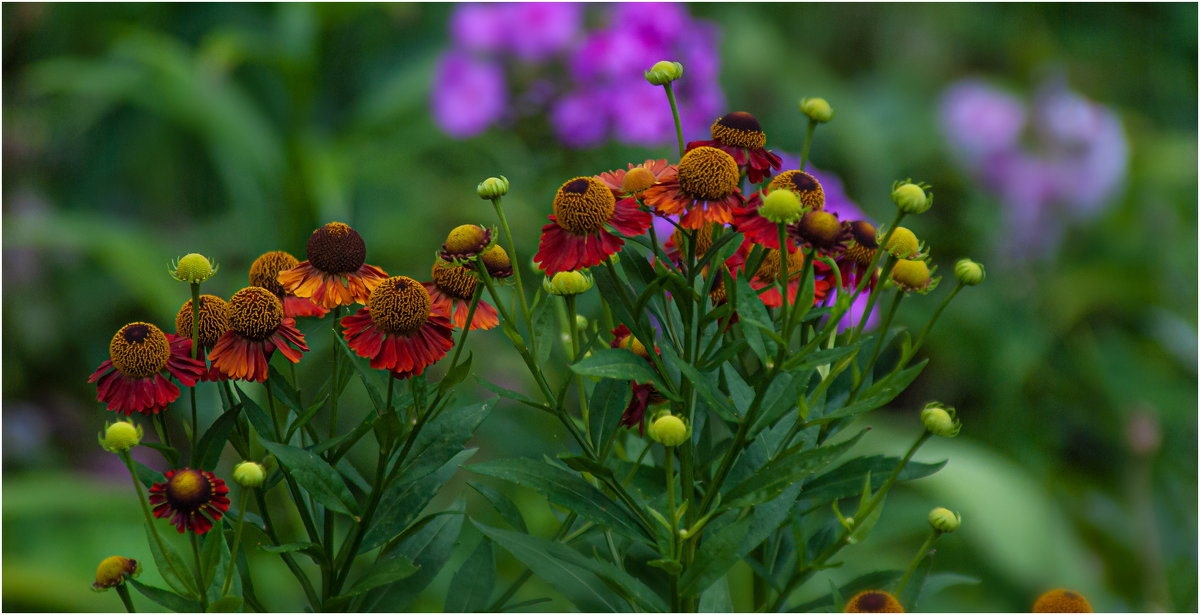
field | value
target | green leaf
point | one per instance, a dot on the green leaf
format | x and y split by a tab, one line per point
935	583
290	547
316	476
751	308
353	359
259	419
912	591
382	573
283	391
876	395
147	475
703	384
429	549
402	502
510	394
457	374
544	329
619	364
563	489
228	604
845	480
168	562
471	588
212	443
609	398
716	598
781	397
443	438
717	553
168	453
502	504
790	466
741	393
171	600
210	554
583	464
807	361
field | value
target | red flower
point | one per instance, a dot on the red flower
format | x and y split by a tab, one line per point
193	499
644	395
576	238
336	272
704	189
740	135
398	329
451	291
131	380
257	327
770	271
264	272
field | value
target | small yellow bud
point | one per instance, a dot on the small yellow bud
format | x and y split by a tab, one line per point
492	188
969	272
193	268
632	344
568	283
669	430
249	474
664	72
114	570
817	109
121	436
903	243
638	179
497	262
911	198
781	206
822	229
939	420
944	520
911	275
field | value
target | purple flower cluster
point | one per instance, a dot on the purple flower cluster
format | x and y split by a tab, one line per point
485	78
1062	159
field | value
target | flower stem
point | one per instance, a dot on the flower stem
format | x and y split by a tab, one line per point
195	354
669	470
237	539
573	333
887	322
512	255
812	125
921	553
333	391
123	592
929	325
269	528
675	115
146	512
199	573
874	294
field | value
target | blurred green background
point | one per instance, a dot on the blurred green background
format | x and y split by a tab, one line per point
134	134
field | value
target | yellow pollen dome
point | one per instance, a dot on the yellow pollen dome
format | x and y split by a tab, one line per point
214	320
582	205
911	274
254	313
821	229
467	240
264	271
770	269
497	262
812	195
336	248
873	601
637	180
739	129
903	243
399	305
708	173
1061	601
188	490
704	239
139	349
454	280
114	570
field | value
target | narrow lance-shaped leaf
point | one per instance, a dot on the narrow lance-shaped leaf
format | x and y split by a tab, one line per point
316	476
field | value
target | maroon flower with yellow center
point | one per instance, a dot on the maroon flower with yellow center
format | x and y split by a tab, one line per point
214	321
451	291
740	135
576	237
264	272
637	179
704	189
336	272
860	251
644	395
770	272
821	231
132	379
762	231
193	499
257	327
398	329
873	601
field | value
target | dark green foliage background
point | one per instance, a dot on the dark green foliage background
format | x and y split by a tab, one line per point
136	133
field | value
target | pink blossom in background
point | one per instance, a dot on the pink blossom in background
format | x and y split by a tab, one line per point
468	96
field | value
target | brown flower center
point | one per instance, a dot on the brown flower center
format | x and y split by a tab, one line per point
264	271
770	269
139	349
812	196
739	129
214	319
583	205
861	254
336	248
399	305
254	312
708	173
456	281
188	490
863	233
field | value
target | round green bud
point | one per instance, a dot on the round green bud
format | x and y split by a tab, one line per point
664	72
781	206
817	109
669	430
912	275
903	243
193	268
911	198
939	420
969	272
121	436
249	474
568	283
944	520
492	188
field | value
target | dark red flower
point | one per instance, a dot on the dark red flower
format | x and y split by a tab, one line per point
576	237
451	291
398	329
257	327
740	135
193	499
131	379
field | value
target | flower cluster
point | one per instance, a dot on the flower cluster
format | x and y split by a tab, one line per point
1058	159
485	78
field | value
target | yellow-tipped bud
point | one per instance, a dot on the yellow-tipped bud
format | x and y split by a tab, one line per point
944	520
911	275
121	436
114	571
781	206
249	474
664	72
1061	601
492	188
939	420
669	430
193	268
568	283
817	109
911	198
969	272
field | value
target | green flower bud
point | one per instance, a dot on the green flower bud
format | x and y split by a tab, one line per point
193	268
249	474
817	109
944	520
969	272
669	430
939	420
911	198
121	436
492	188
781	206
568	283
581	323
664	72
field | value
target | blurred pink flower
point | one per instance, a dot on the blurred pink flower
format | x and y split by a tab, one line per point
468	96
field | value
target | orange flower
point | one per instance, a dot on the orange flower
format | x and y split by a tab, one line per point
398	329
257	327
336	272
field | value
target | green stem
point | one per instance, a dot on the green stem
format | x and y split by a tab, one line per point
574	335
193	438
195	354
237	540
921	553
669	470
462	338
812	125
160	427
334	388
162	548
879	252
929	325
883	329
123	592
199	573
675	116
512	255
288	559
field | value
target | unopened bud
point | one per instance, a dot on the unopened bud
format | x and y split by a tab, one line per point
492	188
249	474
969	272
193	268
911	198
781	206
121	436
944	520
817	109
669	430
568	283
939	420
664	72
